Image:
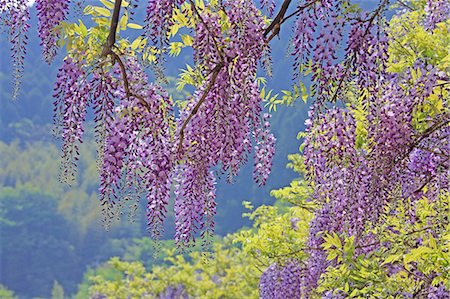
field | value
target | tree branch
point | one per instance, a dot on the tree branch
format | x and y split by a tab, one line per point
111	40
276	23
126	83
214	75
219	52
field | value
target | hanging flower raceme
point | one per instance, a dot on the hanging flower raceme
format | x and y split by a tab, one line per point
436	11
15	15
50	15
138	150
104	86
281	281
353	183
220	131
195	205
72	93
268	5
159	19
366	51
218	124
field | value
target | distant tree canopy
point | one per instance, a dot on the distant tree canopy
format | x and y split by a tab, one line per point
374	164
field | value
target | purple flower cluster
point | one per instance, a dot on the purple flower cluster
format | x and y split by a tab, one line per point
194	205
103	89
159	19
281	282
424	162
438	292
14	15
367	51
219	134
320	35
138	148
350	182
268	5
71	93
303	36
334	295
174	292
436	11
135	148
264	151
50	15
353	184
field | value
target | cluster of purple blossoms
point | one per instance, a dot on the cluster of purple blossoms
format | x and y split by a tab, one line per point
224	114
50	15
438	292
104	87
14	15
353	183
334	295
71	93
159	19
436	11
195	205
132	130
268	5
264	153
281	281
365	47
174	292
138	148
424	162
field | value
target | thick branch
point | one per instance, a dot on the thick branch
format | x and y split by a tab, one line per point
111	40
276	23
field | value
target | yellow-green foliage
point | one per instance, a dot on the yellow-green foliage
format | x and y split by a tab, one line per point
405	251
87	44
411	254
227	273
6	294
409	40
278	234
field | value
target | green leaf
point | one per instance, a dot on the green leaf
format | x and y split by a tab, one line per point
304	92
123	22
187	39
83	29
392	258
136	43
108	4
101	11
134	26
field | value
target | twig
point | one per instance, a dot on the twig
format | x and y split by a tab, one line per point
429	131
405	5
126	83
219	52
214	75
299	9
